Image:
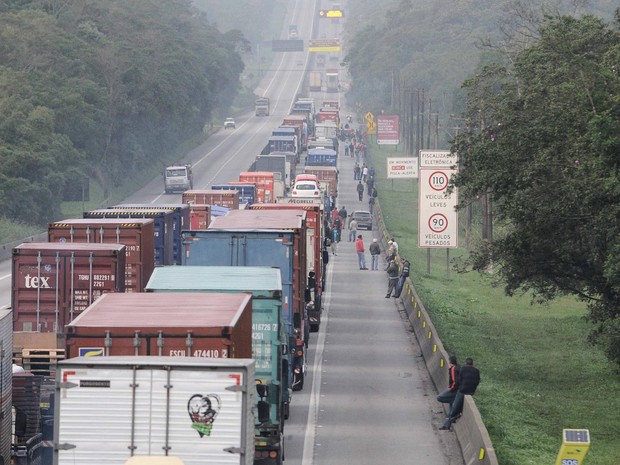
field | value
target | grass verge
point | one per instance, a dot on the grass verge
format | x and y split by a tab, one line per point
539	374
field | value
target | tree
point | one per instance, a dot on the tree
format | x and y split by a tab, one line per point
548	150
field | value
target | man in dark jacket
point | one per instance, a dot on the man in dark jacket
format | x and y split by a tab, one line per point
468	379
392	271
360	190
447	395
404	274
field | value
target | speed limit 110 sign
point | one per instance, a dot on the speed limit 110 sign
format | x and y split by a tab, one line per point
437	215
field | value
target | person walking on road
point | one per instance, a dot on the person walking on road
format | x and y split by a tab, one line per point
392	271
371	204
352	229
468	379
447	395
359	248
360	190
364	172
375	251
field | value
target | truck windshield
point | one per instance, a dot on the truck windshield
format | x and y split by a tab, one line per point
176	172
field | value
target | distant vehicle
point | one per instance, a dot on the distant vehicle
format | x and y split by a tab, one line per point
332	82
178	178
229	123
261	106
315	81
306	188
363	218
292	31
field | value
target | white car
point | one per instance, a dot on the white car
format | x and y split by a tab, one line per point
229	123
306	188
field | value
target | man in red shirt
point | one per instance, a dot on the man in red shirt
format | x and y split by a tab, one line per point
359	248
447	396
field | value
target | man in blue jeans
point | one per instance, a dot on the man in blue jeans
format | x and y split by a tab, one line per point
375	251
468	380
359	248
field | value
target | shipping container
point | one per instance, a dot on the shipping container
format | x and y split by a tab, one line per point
247	191
137	235
163	223
268	337
52	282
314	256
6	348
264	181
199	216
263	238
327	175
322	157
180	220
112	408
183	324
223	198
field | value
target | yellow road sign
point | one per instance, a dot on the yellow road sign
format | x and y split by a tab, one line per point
369	117
371	127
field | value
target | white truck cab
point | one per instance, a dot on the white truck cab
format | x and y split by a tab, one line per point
178	178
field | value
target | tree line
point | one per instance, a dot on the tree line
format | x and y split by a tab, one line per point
102	90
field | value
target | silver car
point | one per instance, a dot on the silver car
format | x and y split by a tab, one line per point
363	218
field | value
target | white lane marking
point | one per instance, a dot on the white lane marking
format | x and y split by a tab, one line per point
5	276
317	371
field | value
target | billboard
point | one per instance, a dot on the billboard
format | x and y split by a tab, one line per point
388	132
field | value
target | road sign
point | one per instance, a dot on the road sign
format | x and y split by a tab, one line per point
371	127
402	167
369	116
331	13
437	159
437	216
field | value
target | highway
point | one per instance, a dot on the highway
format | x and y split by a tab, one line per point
367	398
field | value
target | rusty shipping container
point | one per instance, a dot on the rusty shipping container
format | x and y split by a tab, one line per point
52	283
228	199
136	234
170	324
199	216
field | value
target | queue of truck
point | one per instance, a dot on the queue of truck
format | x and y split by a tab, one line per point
91	335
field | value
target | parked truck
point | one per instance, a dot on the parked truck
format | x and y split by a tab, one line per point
223	198
268	338
332	84
322	157
110	409
178	178
261	106
314	256
277	164
263	238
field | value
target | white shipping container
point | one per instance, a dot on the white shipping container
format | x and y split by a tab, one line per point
111	408
6	380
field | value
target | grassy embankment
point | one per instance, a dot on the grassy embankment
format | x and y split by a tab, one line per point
539	374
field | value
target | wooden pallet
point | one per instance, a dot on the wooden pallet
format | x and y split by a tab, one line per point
39	361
